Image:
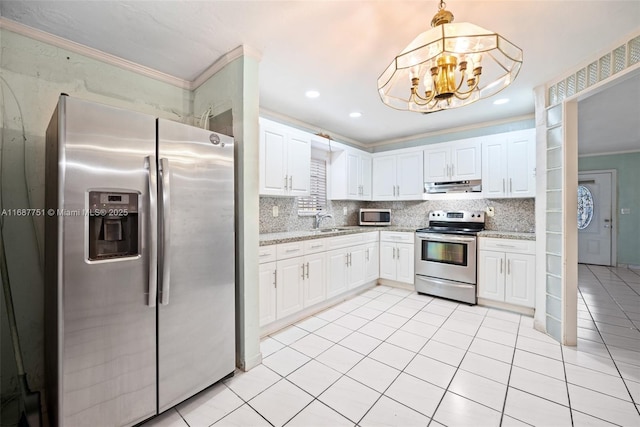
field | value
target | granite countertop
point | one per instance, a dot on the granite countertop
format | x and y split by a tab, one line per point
507	235
293	236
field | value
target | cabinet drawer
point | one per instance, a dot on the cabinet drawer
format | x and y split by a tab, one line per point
507	245
396	236
266	253
344	241
314	246
290	250
371	236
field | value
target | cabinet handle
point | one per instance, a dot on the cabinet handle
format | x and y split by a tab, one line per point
367	254
307	270
286	182
290	182
509	267
291	250
510	185
500	265
398	190
350	259
346	256
398	252
302	271
394	253
316	246
452	169
505	246
275	278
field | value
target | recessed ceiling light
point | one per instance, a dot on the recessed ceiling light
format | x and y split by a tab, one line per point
312	94
500	101
355	114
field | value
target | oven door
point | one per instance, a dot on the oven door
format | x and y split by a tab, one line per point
446	256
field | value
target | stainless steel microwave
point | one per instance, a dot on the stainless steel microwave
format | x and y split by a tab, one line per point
375	216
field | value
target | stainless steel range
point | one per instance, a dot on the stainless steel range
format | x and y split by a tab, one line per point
445	255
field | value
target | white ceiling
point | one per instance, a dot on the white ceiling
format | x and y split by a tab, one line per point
336	47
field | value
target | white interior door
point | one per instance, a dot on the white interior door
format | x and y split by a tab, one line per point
595	218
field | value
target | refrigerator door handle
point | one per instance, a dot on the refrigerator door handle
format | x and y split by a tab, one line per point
166	230
150	165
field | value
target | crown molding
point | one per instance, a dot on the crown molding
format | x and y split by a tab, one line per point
453	130
220	63
609	153
269	114
90	52
107	58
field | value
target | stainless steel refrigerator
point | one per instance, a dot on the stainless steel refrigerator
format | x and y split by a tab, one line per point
140	263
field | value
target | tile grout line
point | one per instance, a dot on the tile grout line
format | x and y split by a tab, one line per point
606	346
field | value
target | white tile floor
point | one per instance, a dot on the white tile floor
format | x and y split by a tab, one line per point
390	357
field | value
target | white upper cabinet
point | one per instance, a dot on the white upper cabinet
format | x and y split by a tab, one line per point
350	175
453	161
508	165
285	160
398	176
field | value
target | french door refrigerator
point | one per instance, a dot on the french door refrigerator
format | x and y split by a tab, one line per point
140	263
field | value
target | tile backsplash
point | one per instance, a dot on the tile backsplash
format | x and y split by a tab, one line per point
510	214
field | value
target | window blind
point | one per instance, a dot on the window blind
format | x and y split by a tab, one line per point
317	199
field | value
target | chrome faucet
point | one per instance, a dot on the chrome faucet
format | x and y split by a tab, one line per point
319	217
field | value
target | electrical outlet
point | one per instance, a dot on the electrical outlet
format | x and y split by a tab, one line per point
625	211
275	211
344	210
490	211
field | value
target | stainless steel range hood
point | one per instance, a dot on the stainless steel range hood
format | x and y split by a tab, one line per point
473	186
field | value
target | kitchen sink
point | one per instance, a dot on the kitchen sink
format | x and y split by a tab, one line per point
330	230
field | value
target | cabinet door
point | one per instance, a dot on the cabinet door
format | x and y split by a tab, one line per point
353	176
315	282
494	168
409	176
267	292
356	268
365	177
336	272
388	260
491	273
465	161
521	166
289	294
520	279
436	164
404	262
299	164
372	262
273	161
384	178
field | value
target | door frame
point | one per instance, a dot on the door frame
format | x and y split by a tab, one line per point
614	208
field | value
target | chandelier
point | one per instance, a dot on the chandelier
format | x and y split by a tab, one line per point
449	66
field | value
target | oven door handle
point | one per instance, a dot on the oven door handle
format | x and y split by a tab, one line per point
444	237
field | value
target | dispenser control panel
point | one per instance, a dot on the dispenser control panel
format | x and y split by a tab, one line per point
114	225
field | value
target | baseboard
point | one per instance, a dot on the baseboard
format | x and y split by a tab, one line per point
505	306
317	308
394	284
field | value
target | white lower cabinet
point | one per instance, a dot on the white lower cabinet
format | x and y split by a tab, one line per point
396	256
267	292
345	269
315	281
301	282
371	262
289	293
506	271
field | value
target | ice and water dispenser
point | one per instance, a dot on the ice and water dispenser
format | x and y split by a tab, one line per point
113	225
